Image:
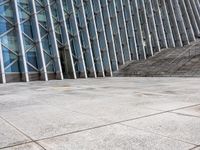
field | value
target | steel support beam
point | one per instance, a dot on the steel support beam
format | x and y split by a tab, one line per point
192	18
180	22
130	30
116	32
152	26
159	24
102	37
3	75
138	29
59	74
43	69
197	5
85	39
123	30
145	28
22	53
109	35
75	40
187	22
174	25
195	11
167	24
70	70
94	38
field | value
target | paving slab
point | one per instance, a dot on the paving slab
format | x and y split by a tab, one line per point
46	121
193	111
175	126
196	148
169	105
115	137
73	110
9	136
115	112
29	146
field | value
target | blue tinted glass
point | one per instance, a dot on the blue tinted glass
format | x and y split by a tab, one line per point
4	25
10	41
31	56
9	58
27	29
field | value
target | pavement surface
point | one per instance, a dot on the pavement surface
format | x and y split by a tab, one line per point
101	114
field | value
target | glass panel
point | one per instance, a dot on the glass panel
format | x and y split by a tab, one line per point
27	28
9	57
7	11
10	41
32	57
27	43
4	25
13	68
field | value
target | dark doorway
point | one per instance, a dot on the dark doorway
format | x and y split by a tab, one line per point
66	63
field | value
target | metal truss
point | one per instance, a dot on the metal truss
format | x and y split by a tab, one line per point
94	37
85	39
130	29
62	38
116	31
57	39
98	19
138	29
159	24
109	34
152	26
123	30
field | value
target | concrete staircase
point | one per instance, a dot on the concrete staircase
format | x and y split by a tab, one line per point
177	62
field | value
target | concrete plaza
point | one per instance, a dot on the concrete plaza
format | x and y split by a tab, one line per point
101	114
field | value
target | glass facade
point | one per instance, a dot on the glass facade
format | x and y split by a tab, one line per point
57	39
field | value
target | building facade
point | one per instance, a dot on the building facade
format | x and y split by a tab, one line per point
61	39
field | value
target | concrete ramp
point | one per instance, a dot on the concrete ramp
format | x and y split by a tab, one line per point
180	62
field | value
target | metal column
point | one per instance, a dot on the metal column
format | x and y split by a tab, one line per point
174	25
145	28
192	18
109	35
85	39
130	30
180	22
197	5
59	74
74	37
196	13
123	30
138	29
116	32
152	26
167	24
187	21
21	44
102	37
69	66
43	68
2	70
159	24
94	37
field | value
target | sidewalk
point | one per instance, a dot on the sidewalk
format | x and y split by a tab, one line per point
101	114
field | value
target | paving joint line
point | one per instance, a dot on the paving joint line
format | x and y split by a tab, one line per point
87	129
14	145
109	124
187	115
158	134
27	136
195	147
